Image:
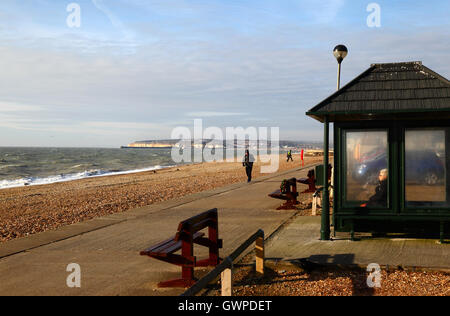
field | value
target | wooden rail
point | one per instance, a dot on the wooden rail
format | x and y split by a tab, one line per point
225	268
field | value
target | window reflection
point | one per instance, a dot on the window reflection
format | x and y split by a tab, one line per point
425	173
367	167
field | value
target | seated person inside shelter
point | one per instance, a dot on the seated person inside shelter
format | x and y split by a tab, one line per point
380	197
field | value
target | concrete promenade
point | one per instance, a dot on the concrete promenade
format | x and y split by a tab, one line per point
298	240
107	249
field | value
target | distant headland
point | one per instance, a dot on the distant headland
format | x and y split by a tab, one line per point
152	144
208	143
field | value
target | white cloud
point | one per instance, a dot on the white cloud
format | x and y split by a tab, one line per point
123	125
214	114
81	84
18	107
115	21
322	12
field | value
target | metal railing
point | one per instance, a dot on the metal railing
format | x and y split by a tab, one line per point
225	268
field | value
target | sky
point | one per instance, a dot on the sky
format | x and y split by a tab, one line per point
137	69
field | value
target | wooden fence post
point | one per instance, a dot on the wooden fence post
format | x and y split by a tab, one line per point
227	281
314	206
260	255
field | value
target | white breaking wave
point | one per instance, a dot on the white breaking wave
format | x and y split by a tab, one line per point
4	184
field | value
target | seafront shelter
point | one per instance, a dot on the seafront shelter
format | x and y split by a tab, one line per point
391	150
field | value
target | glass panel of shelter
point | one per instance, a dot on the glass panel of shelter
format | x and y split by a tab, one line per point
425	167
367	171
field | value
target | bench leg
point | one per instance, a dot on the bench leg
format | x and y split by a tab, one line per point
312	186
441	233
187	251
291	203
177	283
287	206
352	231
187	270
214	244
213	234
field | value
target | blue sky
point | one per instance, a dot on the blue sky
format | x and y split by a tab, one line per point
137	69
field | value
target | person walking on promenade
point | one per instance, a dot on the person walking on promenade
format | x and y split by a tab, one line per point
289	156
248	164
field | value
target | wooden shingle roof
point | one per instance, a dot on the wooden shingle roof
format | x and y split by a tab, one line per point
385	90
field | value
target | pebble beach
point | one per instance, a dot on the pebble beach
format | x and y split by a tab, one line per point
334	281
32	209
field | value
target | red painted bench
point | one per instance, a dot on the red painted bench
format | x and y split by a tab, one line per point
287	192
187	235
310	181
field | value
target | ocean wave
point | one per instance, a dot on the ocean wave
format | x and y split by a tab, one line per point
5	184
76	166
9	166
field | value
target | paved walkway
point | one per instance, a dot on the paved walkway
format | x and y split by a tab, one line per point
298	240
107	249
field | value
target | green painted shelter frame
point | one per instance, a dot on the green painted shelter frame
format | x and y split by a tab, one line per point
396	97
396	217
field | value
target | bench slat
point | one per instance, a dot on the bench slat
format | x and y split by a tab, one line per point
277	192
176	245
278	195
201	225
159	245
169	246
198	218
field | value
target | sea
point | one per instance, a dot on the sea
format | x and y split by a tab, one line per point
34	166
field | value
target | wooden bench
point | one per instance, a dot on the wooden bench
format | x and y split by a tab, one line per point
187	235
310	181
287	192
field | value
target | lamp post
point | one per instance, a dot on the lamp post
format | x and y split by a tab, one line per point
340	52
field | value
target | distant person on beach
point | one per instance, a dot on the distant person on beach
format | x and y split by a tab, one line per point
248	164
289	156
379	199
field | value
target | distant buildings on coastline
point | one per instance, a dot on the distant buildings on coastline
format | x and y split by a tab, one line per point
312	147
152	144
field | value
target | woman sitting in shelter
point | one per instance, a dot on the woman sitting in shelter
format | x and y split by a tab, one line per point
379	199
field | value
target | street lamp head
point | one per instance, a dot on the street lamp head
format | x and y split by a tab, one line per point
340	52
